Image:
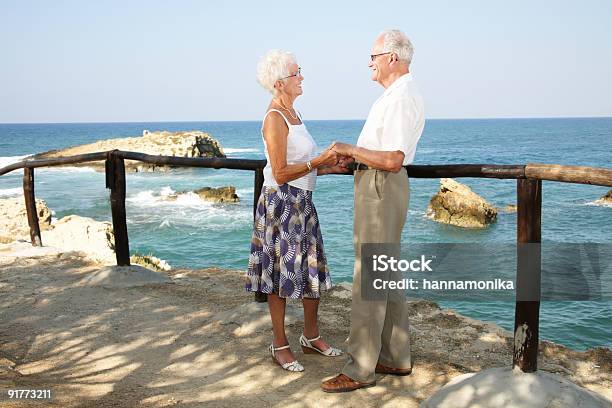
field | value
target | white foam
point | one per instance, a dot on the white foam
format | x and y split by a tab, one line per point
6	160
230	150
244	191
67	169
187	209
143	198
151	198
166	191
9	192
598	203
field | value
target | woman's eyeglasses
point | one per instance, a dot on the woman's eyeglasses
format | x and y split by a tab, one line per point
299	72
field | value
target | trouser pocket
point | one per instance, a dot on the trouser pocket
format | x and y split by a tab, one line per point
379	183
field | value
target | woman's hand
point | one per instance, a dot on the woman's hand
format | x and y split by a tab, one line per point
328	158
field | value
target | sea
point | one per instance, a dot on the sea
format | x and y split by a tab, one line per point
191	233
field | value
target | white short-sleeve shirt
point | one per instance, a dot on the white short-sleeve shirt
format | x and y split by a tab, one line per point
396	120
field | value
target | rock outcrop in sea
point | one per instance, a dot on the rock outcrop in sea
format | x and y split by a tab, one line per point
605	199
226	194
180	144
511	208
456	204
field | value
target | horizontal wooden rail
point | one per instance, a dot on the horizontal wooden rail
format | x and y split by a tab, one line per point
569	174
535	171
54	161
213	162
466	170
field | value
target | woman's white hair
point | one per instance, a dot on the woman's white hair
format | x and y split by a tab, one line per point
397	42
273	66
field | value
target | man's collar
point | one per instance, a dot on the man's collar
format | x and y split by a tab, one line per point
407	77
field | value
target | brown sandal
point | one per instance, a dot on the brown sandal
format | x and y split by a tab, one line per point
383	369
343	383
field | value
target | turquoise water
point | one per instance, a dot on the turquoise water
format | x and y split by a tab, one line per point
192	233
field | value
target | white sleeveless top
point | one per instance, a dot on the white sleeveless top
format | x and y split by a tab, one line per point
301	148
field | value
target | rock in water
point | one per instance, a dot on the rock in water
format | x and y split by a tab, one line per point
458	205
14	219
511	208
218	195
180	144
225	194
605	200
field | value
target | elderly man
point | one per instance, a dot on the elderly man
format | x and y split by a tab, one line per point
379	340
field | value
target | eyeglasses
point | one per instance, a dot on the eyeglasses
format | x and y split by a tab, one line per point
299	72
373	56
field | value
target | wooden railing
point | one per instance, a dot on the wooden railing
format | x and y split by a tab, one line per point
529	210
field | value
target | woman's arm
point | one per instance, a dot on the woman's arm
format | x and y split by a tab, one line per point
275	133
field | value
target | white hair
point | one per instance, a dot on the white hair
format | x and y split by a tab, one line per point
397	42
273	66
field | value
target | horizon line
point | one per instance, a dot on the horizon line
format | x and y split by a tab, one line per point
308	120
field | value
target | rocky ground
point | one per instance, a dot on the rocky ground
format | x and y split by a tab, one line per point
101	336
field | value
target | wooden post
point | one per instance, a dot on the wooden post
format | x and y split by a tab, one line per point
115	180
527	310
30	204
259	180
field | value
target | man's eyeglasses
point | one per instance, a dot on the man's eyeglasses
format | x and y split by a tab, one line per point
299	72
373	56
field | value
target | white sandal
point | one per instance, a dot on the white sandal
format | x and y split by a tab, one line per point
292	366
308	348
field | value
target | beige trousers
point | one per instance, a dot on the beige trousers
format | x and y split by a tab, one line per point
379	328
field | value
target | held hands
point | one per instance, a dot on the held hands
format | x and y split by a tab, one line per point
344	151
340	165
335	159
329	157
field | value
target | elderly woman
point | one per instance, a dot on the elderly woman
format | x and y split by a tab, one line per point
287	258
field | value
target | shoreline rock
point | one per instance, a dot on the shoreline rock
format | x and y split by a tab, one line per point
95	239
605	200
510	208
225	194
180	144
456	204
14	218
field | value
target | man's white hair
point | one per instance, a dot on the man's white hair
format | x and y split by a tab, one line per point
273	66
397	42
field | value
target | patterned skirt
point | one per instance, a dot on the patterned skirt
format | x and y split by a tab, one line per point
287	256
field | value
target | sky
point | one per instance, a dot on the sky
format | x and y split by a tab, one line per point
156	61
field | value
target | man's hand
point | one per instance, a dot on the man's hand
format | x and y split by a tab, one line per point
343	149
